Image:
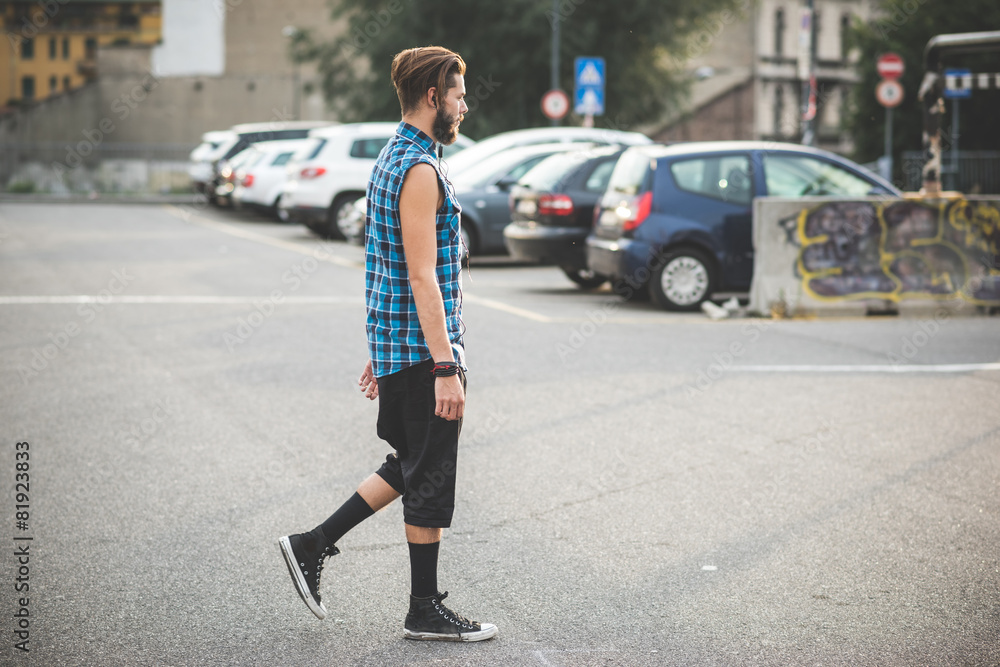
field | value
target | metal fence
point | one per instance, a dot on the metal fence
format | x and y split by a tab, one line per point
973	172
93	167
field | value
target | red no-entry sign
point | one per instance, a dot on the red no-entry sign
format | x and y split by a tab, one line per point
890	66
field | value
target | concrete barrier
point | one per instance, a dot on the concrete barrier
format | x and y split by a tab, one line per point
817	256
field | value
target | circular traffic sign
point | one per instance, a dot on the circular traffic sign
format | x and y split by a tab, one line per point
890	66
889	93
555	104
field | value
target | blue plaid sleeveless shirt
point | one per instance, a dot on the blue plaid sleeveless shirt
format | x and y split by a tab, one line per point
395	340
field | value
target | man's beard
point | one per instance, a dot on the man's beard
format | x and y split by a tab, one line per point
445	128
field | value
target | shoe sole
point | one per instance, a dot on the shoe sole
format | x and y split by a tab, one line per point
489	631
299	580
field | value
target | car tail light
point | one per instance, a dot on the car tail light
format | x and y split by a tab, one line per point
248	181
312	172
555	205
635	212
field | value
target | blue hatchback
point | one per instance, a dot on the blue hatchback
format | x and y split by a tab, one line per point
676	221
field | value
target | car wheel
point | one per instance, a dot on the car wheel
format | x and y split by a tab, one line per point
346	221
584	278
340	206
280	213
684	280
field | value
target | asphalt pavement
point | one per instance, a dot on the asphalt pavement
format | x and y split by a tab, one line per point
636	487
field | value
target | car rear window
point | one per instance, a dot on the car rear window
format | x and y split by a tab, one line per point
281	159
723	177
368	148
547	174
630	173
598	179
311	149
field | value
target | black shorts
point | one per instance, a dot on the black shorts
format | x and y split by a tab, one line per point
423	468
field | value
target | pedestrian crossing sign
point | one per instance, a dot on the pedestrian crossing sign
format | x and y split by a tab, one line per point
589	79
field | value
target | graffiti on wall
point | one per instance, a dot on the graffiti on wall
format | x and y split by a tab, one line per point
899	249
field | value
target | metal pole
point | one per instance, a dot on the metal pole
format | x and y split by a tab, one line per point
555	52
888	144
297	93
955	185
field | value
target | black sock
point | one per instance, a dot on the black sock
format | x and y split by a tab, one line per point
350	514
423	569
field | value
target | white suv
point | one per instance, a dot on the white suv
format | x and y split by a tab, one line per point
330	173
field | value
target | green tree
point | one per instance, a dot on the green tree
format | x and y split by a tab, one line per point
506	45
904	27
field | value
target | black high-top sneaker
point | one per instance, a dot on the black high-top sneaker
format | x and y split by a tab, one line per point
429	619
304	555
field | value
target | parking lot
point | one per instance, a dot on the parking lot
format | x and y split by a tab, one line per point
636	487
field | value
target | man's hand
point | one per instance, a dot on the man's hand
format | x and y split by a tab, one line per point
368	383
449	398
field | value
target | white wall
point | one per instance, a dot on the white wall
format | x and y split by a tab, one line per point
194	38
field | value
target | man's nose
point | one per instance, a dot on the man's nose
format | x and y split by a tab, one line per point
464	108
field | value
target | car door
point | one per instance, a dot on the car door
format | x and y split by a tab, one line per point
716	191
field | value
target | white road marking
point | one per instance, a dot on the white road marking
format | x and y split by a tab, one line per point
171	299
872	368
315	251
503	307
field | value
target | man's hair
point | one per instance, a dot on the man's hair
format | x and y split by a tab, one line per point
414	71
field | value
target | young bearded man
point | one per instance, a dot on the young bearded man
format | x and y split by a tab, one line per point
416	367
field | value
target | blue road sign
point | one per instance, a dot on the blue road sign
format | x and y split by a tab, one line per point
957	83
588	89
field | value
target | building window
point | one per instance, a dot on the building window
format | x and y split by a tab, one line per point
815	34
28	88
779	110
65	48
27	48
845	36
91	48
52	48
53	84
66	83
779	33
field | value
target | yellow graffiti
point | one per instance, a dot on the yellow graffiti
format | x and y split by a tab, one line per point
929	244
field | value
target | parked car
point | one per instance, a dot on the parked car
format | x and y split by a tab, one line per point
330	173
225	182
205	155
251	133
483	190
552	211
676	220
261	178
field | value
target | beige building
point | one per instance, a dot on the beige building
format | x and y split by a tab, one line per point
52	47
748	80
218	63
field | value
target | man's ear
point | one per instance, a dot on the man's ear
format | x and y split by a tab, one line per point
431	97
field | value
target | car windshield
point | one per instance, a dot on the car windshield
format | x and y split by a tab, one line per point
546	174
799	176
